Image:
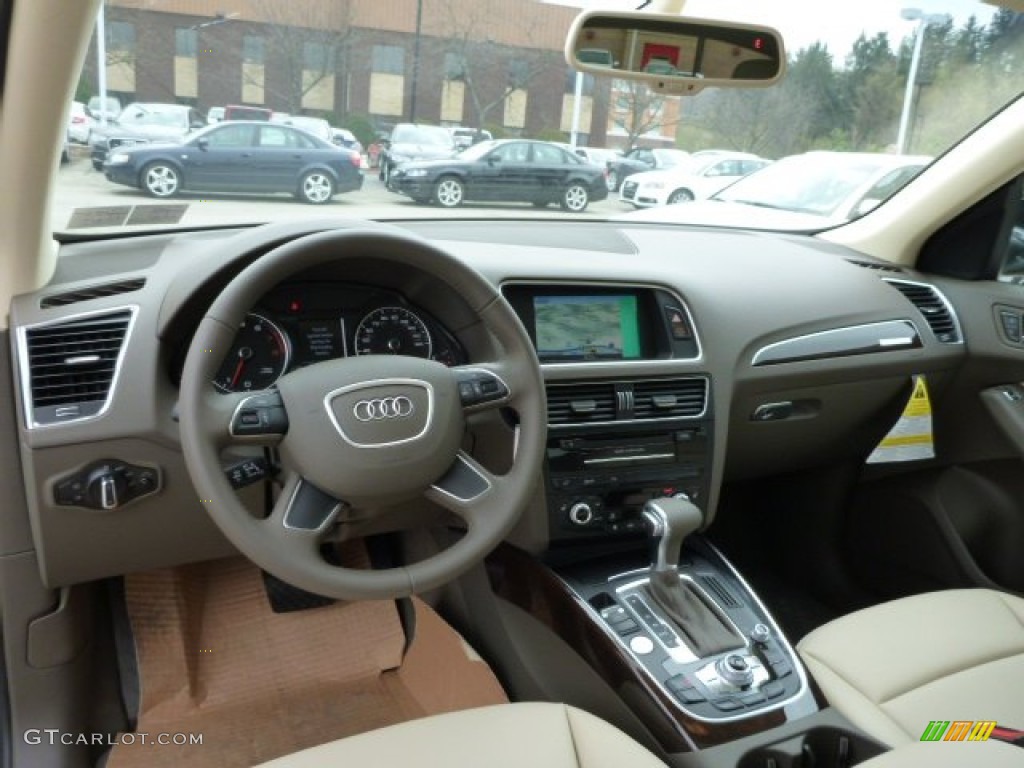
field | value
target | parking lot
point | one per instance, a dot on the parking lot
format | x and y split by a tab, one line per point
81	187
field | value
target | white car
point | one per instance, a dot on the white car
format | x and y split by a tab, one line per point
809	191
695	180
79	123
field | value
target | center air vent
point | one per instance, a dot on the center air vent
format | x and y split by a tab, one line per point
92	292
933	306
669	399
601	402
581	403
70	366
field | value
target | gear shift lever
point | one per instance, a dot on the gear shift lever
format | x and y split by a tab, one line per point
670	521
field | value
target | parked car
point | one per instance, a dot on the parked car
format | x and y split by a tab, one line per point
642	159
467	137
79	123
598	155
411	141
214	115
240	156
103	109
142	123
509	170
697	179
241	112
343	137
811	190
314	125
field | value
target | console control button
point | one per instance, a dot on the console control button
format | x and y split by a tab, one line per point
773	690
626	627
753	699
689	696
735	670
727	704
641	645
782	668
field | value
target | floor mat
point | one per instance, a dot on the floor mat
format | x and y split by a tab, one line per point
216	663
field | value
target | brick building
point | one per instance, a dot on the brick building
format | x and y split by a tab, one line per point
472	62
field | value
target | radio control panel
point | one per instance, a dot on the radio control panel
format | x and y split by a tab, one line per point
598	481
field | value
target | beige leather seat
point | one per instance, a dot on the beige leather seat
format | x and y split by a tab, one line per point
557	736
952	655
504	736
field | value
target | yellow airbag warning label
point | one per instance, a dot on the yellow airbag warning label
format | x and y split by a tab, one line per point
911	437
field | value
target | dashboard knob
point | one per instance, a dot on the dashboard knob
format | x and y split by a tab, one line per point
735	670
760	633
581	513
105	488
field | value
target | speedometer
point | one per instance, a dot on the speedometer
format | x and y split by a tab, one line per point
258	356
393	331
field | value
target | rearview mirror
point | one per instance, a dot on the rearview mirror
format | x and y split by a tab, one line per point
675	54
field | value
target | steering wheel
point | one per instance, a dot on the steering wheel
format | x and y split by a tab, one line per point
363	431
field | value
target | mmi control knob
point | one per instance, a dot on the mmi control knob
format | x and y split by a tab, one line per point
581	514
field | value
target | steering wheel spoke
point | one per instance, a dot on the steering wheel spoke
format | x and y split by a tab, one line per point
484	386
465	488
245	418
302	509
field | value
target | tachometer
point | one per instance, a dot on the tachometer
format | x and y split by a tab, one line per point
258	356
393	331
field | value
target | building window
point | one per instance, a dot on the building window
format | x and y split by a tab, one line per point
518	73
120	36
389	59
252	49
316	57
186	43
454	66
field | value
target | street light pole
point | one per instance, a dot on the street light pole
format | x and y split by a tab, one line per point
101	62
576	108
923	22
416	60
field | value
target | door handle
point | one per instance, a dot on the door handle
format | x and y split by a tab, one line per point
247	154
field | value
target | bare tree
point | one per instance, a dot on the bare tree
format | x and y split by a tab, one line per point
637	110
304	44
470	55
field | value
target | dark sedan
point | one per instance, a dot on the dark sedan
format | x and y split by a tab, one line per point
237	156
510	171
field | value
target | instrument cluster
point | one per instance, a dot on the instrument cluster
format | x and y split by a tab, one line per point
299	324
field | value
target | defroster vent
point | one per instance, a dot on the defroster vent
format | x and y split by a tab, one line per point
92	292
70	366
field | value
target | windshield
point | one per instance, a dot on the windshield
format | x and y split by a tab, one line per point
864	80
813	183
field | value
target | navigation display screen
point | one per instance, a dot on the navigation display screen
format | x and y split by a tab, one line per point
575	328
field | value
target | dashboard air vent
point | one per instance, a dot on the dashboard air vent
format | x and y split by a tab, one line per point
70	366
92	292
933	306
877	266
670	398
581	403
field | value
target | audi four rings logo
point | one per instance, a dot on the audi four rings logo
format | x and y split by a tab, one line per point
382	408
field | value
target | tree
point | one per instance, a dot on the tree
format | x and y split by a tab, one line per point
638	110
303	47
470	57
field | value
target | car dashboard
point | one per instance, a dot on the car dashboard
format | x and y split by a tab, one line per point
754	354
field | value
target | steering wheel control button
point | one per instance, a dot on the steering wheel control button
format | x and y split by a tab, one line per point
247	472
479	387
106	485
641	645
260	416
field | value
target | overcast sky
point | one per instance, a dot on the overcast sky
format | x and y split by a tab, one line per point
836	23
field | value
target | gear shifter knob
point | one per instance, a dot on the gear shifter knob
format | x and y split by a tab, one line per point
669	522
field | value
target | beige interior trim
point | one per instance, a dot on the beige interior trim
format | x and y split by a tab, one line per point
990	157
32	127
